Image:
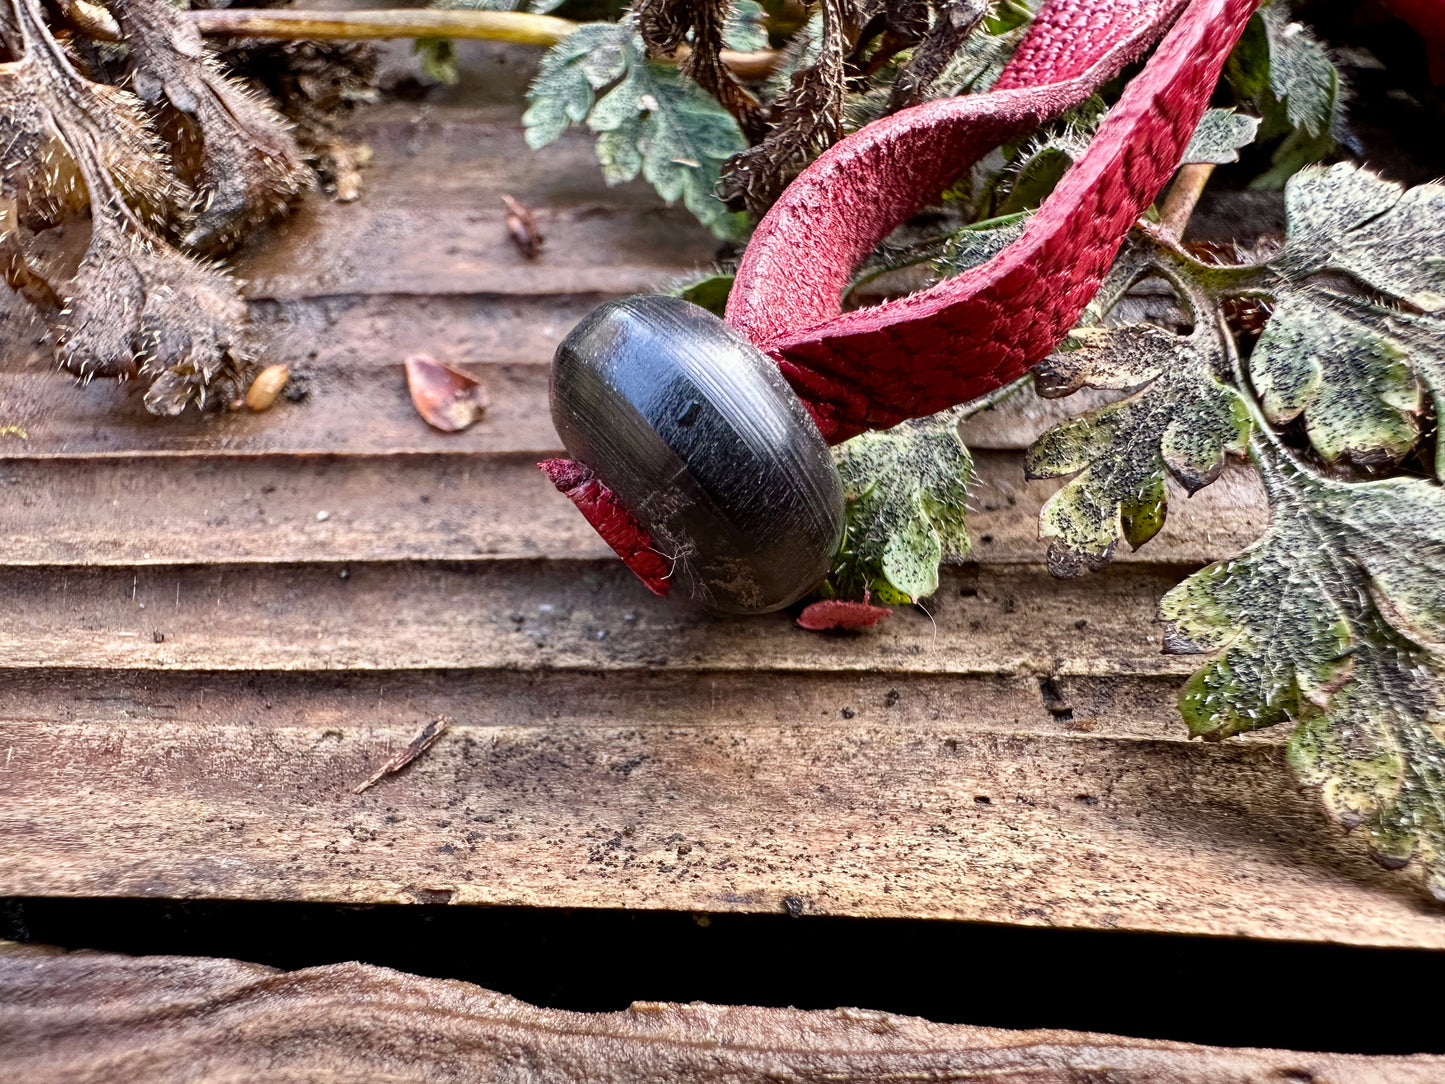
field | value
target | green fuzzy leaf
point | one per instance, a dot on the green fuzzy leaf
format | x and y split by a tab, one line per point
1247	69
709	292
1334	620
1346	219
1219	136
1300	72
1423	340
906	491
1181	420
1284	72
649	119
569	76
978	243
1352	381
1352	366
1039	164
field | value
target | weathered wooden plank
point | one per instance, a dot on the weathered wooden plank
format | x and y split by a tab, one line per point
90	1016
356	402
534	614
348	352
431	219
962	800
460	505
1117	708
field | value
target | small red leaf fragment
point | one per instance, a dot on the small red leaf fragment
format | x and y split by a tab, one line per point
449	400
610	518
522	226
832	613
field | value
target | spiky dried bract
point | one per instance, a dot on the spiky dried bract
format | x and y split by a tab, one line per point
46	106
138	307
810	120
134	306
316	83
235	150
1182	421
956	20
1334	620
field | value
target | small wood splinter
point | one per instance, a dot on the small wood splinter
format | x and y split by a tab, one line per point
522	227
419	745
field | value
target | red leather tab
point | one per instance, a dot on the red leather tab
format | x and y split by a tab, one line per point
611	519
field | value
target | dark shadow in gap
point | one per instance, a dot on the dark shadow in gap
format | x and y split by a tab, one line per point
1203	990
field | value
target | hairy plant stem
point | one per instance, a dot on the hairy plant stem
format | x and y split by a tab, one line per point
989	400
513	26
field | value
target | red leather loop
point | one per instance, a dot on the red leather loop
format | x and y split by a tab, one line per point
872	368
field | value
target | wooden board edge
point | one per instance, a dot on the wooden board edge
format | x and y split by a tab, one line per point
90	1016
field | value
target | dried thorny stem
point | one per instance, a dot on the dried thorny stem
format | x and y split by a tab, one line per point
956	20
810	119
857	39
207	161
667	24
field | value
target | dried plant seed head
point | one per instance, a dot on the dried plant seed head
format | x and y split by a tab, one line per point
95	333
138	307
190	344
232	147
46	109
315	84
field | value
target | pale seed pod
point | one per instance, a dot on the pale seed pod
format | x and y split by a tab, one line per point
267	385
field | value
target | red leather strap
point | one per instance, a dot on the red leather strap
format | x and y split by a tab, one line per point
873	368
611	519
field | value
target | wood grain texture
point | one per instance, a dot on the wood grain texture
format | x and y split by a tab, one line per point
532	615
196	507
88	1017
867	795
212	628
433	223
